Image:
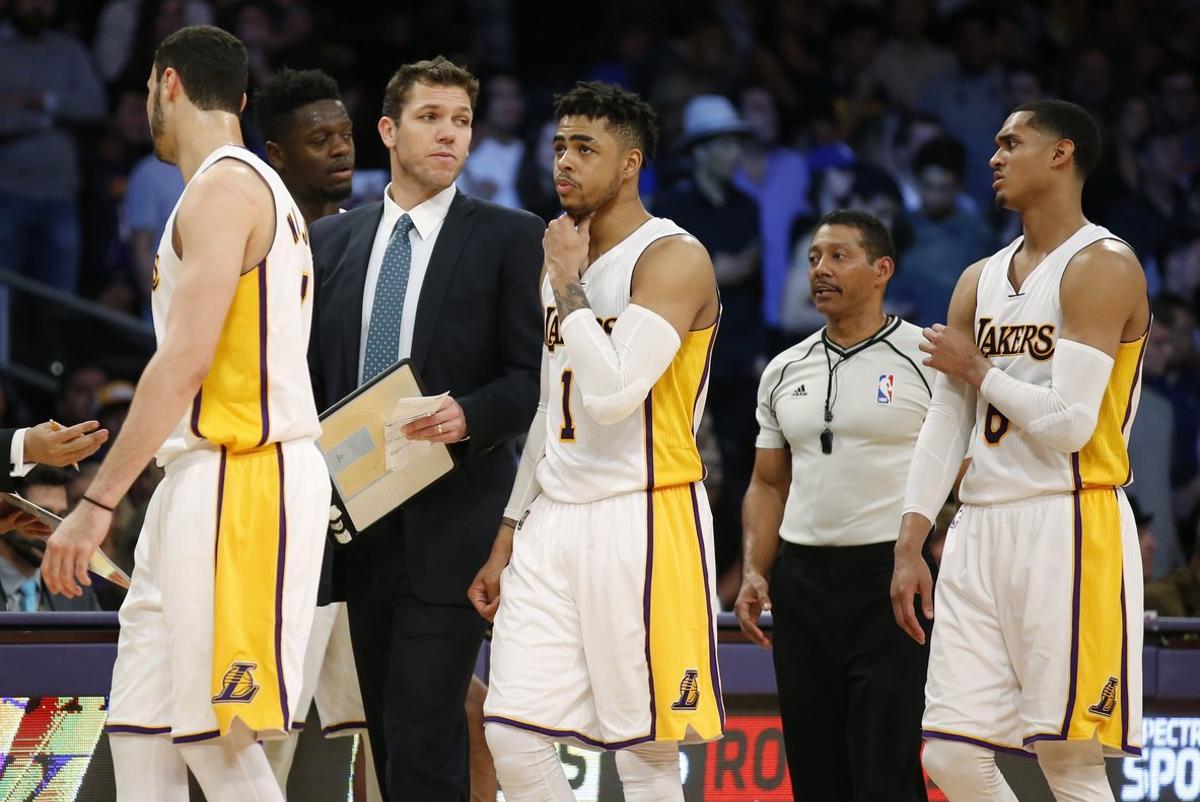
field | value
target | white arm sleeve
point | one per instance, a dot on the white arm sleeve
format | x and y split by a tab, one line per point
941	446
525	486
1063	415
615	372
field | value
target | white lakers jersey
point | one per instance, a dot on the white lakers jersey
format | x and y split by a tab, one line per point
1018	332
651	449
257	391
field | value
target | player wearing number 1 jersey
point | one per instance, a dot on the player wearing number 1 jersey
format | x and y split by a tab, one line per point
604	632
1037	641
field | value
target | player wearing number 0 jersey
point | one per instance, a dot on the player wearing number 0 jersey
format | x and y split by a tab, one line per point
604	634
1036	645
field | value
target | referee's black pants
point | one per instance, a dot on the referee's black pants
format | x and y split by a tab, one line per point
851	683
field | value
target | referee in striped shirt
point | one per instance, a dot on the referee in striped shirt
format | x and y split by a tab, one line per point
838	416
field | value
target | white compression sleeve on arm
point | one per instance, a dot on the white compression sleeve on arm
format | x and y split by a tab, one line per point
1063	415
525	486
941	446
615	373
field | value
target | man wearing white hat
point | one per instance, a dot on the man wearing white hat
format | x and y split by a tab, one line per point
726	221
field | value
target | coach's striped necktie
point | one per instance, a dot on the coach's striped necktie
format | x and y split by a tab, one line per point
387	308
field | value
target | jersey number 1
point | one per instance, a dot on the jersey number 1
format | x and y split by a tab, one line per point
995	426
567	433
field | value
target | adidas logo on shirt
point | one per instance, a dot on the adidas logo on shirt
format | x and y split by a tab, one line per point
799	391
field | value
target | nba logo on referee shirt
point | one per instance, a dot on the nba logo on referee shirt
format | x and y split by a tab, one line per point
887	384
238	684
689	691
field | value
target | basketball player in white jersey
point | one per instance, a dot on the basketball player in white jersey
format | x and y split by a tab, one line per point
1037	640
214	628
603	616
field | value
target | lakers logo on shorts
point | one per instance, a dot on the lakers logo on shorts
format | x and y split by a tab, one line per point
238	684
689	691
1108	699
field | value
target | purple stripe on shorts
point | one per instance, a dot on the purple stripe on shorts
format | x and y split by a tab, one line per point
1124	670
712	643
946	736
568	734
283	698
199	736
345	725
220	504
1075	603
134	729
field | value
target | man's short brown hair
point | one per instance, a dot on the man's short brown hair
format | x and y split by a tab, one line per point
437	71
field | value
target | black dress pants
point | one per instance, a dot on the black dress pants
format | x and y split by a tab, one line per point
414	663
851	683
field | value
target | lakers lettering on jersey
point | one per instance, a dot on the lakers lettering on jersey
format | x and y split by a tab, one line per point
1018	332
585	460
258	390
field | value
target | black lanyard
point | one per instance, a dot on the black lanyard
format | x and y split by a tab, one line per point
830	388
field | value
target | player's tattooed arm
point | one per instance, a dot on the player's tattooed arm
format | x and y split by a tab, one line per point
569	297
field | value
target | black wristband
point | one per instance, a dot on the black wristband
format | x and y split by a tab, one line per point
105	507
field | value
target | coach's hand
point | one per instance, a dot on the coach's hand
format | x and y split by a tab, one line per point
484	592
752	600
65	566
911	577
447	425
51	444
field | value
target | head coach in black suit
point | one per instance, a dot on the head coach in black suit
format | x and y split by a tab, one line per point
450	282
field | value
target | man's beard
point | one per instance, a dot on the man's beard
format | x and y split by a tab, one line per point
158	125
588	207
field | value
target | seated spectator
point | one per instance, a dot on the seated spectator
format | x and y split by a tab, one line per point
946	239
908	59
76	401
1178	593
535	177
123	22
21	552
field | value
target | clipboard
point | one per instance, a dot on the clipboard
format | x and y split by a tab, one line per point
98	564
353	443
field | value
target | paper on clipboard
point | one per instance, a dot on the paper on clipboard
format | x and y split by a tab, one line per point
375	469
98	564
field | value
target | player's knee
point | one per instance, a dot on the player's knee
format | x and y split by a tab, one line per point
648	762
952	764
514	749
1075	770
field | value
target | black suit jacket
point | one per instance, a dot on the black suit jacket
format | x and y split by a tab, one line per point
7	483
477	335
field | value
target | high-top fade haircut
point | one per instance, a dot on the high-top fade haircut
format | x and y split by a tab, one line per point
211	64
278	99
627	115
1063	119
873	235
437	71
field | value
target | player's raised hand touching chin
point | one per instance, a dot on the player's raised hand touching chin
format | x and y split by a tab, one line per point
566	246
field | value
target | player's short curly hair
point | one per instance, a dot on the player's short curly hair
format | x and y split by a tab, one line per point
276	101
626	114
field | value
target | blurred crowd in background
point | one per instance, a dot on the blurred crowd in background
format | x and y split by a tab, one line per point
773	112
